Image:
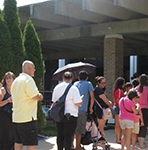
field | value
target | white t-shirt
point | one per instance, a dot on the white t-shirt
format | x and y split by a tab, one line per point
73	97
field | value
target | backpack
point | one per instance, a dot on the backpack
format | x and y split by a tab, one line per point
57	108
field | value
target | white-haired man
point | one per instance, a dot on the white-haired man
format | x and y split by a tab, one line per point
25	97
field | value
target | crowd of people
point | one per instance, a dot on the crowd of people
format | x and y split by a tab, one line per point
18	109
129	107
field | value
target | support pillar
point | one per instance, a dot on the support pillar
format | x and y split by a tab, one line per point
113	61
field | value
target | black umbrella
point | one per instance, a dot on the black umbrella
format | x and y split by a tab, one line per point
75	68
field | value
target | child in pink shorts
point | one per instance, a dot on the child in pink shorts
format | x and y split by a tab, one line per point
126	117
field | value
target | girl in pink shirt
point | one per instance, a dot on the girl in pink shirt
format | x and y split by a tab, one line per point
126	117
117	94
143	101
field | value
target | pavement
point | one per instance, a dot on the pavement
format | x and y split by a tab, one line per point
49	143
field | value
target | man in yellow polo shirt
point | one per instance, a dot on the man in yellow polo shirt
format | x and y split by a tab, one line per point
25	97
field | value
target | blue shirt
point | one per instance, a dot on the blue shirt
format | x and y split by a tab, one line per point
85	87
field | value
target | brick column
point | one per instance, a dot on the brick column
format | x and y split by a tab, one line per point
113	60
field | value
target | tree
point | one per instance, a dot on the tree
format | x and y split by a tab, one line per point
33	52
5	48
13	22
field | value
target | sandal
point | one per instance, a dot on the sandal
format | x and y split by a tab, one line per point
135	148
144	146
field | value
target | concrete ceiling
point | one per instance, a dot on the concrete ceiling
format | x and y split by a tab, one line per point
76	28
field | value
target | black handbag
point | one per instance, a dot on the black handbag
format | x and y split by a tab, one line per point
86	138
57	108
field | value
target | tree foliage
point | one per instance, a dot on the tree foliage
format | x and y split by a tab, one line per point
5	48
33	52
13	22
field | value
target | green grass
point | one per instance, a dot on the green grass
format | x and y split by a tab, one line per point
50	129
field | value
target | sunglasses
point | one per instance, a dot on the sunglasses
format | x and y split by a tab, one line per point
103	82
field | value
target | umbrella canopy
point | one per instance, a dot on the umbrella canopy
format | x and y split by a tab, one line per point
75	68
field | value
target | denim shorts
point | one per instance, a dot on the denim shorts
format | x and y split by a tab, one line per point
116	110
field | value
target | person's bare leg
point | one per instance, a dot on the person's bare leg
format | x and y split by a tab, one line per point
18	146
33	147
141	141
134	138
128	138
117	129
101	123
123	139
78	141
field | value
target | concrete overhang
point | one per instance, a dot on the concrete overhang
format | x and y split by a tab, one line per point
76	28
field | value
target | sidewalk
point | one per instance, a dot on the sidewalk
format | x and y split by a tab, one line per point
50	143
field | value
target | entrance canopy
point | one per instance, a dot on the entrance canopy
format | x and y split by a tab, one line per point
76	28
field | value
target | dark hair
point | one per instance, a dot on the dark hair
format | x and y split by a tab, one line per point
83	75
128	84
7	75
99	79
118	83
135	75
135	82
67	75
143	82
132	93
